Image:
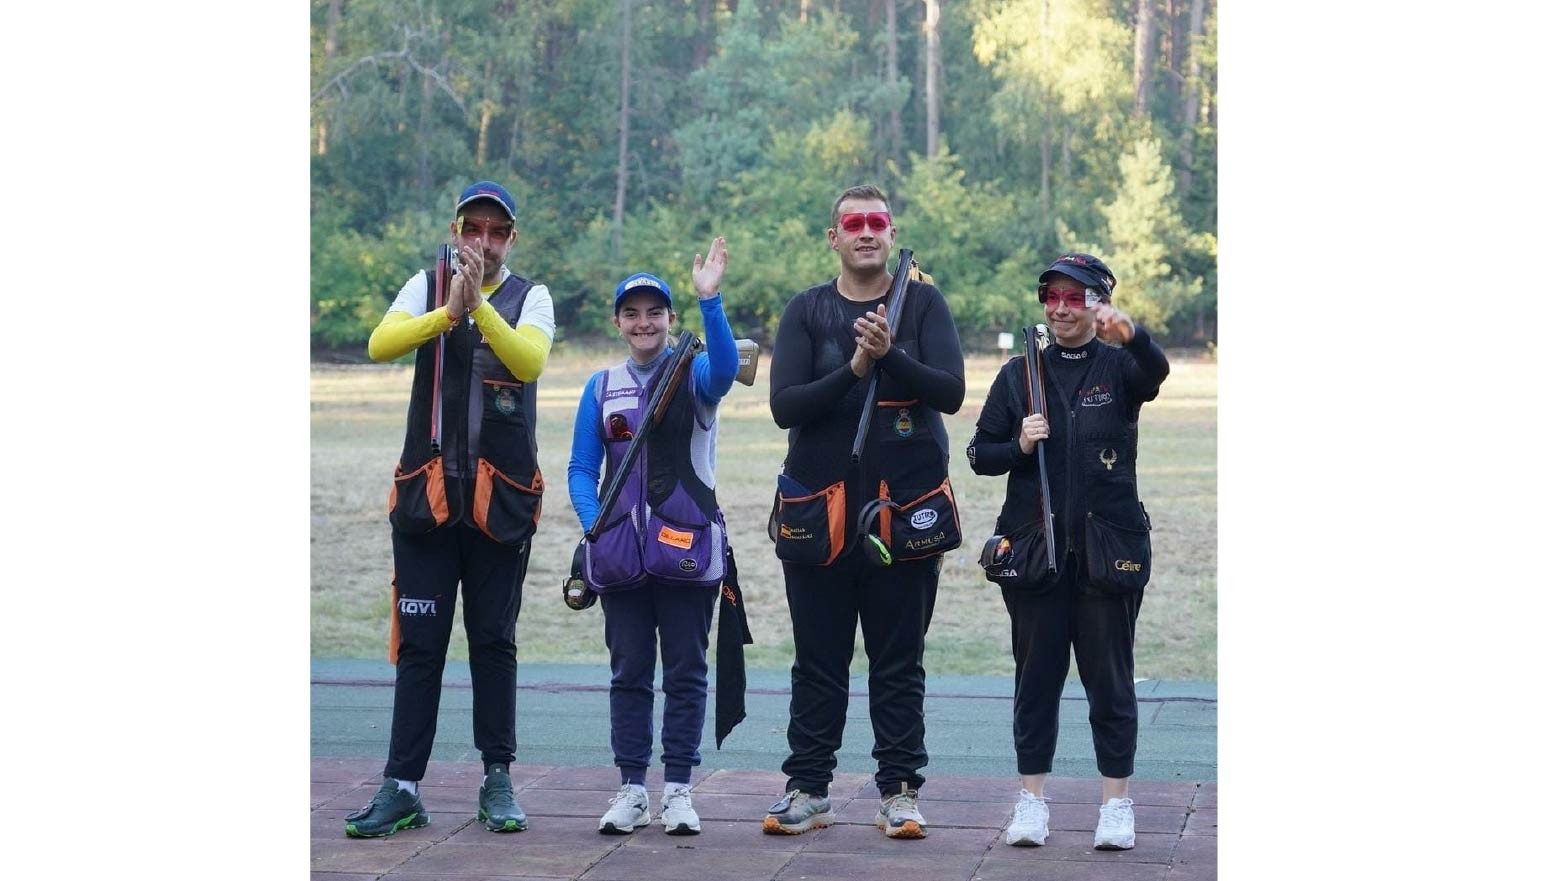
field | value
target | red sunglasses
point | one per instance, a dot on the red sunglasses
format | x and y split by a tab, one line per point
878	221
1074	299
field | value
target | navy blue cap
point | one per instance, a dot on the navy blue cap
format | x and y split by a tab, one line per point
1083	268
487	189
641	281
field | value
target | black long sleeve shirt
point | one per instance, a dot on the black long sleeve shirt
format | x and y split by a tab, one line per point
1076	461
816	395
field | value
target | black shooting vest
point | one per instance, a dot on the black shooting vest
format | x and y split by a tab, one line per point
906	453
1091	449
486	459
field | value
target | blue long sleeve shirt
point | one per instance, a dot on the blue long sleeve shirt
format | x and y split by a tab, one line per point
713	372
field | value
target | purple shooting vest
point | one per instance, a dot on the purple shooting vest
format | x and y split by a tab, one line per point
666	525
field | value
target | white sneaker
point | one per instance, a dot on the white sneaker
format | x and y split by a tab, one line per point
1029	827
630	808
899	816
676	813
1115	830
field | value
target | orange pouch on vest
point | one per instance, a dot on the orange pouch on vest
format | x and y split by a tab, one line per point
924	523
418	500
809	529
506	510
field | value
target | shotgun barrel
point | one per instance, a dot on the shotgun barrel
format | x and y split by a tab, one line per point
895	300
1034	340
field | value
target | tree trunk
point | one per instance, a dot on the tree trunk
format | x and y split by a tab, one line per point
894	135
622	141
931	75
1046	168
1046	117
1175	51
329	49
1143	57
487	116
703	42
805	8
1190	102
426	96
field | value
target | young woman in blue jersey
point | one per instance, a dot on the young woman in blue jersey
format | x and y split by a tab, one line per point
658	560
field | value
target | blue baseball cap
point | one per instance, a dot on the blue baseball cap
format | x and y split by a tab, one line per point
487	189
637	282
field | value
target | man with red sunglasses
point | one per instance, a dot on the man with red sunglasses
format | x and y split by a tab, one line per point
829	340
464	503
1099	370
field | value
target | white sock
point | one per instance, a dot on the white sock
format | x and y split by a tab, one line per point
637	789
411	785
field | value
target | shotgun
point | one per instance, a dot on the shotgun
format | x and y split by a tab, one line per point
445	267
1036	398
894	302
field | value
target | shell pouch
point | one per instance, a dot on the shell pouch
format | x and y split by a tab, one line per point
1117	557
809	529
919	523
417	503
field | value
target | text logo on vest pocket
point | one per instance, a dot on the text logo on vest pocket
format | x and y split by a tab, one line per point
923	544
688	565
671	537
923	519
406	606
1129	566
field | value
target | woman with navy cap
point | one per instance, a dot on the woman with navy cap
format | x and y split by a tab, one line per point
658	560
1099	368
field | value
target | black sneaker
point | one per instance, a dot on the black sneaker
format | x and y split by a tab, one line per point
389	810
497	807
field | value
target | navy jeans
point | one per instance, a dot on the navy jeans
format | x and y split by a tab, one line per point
681	616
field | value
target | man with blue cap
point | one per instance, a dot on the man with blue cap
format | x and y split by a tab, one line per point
658	561
464	502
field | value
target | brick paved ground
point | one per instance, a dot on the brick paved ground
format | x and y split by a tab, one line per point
1176	822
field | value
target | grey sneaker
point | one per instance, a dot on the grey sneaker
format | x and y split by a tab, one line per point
798	812
676	813
498	810
1029	826
630	808
899	817
1115	830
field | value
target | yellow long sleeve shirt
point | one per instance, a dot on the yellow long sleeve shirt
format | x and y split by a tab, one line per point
523	349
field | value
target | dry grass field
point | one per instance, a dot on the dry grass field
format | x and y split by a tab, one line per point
357	417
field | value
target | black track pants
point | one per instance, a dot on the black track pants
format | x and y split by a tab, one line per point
428	569
893	605
1100	628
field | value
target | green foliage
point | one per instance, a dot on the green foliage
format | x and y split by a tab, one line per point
361	273
747	123
1143	232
